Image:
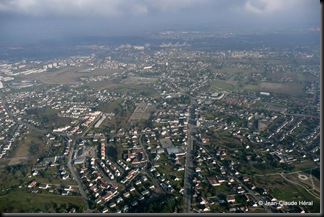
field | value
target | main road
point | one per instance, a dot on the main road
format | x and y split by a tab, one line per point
189	165
75	176
188	177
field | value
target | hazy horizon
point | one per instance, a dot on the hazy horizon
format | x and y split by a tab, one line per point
36	20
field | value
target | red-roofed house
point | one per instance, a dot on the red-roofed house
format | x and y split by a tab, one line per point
213	181
107	196
230	198
32	184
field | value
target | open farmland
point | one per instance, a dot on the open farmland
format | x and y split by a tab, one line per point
289	89
69	75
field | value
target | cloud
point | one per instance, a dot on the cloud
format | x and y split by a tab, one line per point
269	7
101	8
140	9
74	8
117	8
175	5
161	10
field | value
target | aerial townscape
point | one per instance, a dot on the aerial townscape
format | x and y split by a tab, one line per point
174	121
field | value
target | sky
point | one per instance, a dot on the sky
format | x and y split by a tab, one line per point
46	19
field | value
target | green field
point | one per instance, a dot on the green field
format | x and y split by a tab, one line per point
110	106
222	85
287	191
31	145
306	164
20	202
281	88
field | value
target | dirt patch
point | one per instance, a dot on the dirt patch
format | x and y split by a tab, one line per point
142	112
251	87
18	160
270	86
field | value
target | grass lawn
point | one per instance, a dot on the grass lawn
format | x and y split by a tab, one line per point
164	169
18	201
287	191
218	84
4	162
23	148
109	107
306	164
